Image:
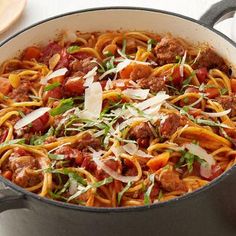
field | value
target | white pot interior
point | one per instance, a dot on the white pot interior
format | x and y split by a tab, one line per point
119	19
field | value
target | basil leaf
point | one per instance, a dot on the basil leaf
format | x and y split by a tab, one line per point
73	49
121	193
52	86
147	199
63	106
38	140
150	43
102	182
11	142
56	157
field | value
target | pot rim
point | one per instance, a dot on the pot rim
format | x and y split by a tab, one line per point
118	209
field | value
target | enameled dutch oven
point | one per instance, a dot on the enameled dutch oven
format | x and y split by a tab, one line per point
207	211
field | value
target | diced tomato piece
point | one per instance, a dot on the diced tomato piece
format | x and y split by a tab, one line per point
74	86
212	92
40	124
4	136
7	174
54	93
5	86
215	172
88	164
103	84
233	85
31	53
202	74
177	79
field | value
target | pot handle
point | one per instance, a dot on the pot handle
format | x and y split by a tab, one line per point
218	12
10	199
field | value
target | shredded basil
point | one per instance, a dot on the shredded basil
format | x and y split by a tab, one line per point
147	199
73	49
150	43
12	142
223	91
121	193
56	156
52	86
63	106
38	140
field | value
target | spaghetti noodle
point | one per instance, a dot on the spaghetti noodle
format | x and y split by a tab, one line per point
116	118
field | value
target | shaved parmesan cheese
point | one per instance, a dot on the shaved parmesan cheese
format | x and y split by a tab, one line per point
69	36
130	148
133	150
217	114
205	168
139	94
181	67
54	74
114	174
158	99
31	117
89	77
117	151
53	61
93	101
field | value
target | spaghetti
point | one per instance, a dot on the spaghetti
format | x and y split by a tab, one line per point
111	119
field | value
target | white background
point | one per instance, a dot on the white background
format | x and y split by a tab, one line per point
37	10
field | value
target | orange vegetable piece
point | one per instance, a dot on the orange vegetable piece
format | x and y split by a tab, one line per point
5	86
212	92
158	161
125	73
31	53
233	85
7	174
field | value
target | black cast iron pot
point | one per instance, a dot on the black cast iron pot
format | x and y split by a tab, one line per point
207	211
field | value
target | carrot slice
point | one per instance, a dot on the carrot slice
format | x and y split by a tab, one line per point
233	85
125	73
158	161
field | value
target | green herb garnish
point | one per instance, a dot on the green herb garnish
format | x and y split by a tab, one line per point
63	106
73	49
150	43
56	156
147	199
121	193
52	86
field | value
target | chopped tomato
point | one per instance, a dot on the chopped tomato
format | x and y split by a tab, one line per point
202	74
158	161
54	93
215	172
49	51
40	124
74	86
31	53
5	87
233	85
177	79
7	174
212	92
